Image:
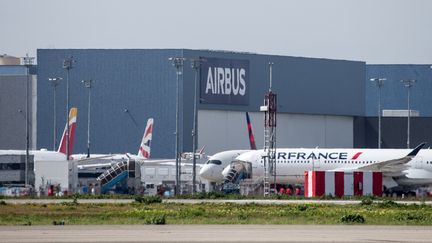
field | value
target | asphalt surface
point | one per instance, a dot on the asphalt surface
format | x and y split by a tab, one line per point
215	233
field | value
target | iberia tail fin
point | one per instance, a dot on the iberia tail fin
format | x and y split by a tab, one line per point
144	149
251	135
72	126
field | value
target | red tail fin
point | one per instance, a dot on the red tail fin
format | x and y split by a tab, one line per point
72	126
144	149
251	136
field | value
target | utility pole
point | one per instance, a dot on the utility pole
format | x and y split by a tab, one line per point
54	83
68	65
88	85
408	83
178	64
196	64
28	61
379	82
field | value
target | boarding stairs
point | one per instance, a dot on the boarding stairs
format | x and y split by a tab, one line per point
117	173
237	173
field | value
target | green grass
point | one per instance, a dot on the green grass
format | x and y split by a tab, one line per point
384	213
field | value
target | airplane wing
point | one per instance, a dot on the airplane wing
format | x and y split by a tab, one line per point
392	167
108	156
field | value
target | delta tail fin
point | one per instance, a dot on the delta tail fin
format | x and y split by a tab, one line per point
144	149
72	126
251	135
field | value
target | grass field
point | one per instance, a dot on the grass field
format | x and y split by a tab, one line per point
152	212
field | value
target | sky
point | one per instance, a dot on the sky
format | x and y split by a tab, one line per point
373	31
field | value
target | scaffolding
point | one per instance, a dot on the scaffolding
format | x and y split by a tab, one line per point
269	157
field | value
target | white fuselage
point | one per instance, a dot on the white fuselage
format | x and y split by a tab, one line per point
292	163
212	169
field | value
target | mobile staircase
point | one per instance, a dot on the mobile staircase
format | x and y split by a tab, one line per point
117	173
238	172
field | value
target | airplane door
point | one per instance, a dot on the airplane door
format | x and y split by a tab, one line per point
418	162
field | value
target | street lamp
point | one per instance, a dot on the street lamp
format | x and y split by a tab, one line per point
28	61
408	83
379	83
54	83
88	85
196	63
178	64
67	64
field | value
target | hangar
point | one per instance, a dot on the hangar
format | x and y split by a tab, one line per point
317	98
321	102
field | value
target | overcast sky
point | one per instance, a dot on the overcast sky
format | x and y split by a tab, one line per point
375	31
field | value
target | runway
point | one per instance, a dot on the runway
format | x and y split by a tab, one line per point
215	233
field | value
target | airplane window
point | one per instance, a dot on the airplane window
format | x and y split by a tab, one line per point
216	162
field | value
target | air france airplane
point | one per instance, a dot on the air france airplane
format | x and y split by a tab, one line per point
212	169
400	167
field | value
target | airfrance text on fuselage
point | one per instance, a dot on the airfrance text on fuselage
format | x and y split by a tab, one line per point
306	156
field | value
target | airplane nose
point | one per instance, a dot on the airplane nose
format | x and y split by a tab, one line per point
206	172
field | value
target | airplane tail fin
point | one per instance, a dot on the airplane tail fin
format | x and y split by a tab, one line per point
251	135
144	149
72	126
201	151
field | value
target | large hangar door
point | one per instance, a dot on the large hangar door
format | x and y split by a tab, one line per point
225	130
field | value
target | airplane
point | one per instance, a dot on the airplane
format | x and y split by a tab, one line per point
60	154
142	155
199	154
401	168
212	169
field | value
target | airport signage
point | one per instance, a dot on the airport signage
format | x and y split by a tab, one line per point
224	81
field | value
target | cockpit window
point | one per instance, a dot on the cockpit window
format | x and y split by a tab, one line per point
215	162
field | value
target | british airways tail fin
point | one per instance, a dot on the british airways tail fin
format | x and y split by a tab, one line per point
144	149
72	126
251	136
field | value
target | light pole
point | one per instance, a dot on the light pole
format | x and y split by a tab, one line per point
408	83
28	61
67	64
178	64
196	63
379	83
88	85
54	83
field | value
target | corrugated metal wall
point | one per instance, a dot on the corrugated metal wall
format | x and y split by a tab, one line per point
144	82
394	94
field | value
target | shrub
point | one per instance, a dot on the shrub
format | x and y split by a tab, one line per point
243	216
352	218
409	217
388	204
302	207
148	199
2	202
158	219
366	201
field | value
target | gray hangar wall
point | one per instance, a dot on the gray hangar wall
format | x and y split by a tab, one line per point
130	87
13	81
317	99
394	97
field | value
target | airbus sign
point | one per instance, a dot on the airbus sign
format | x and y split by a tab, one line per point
224	81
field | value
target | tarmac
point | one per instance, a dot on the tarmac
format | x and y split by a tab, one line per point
215	233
